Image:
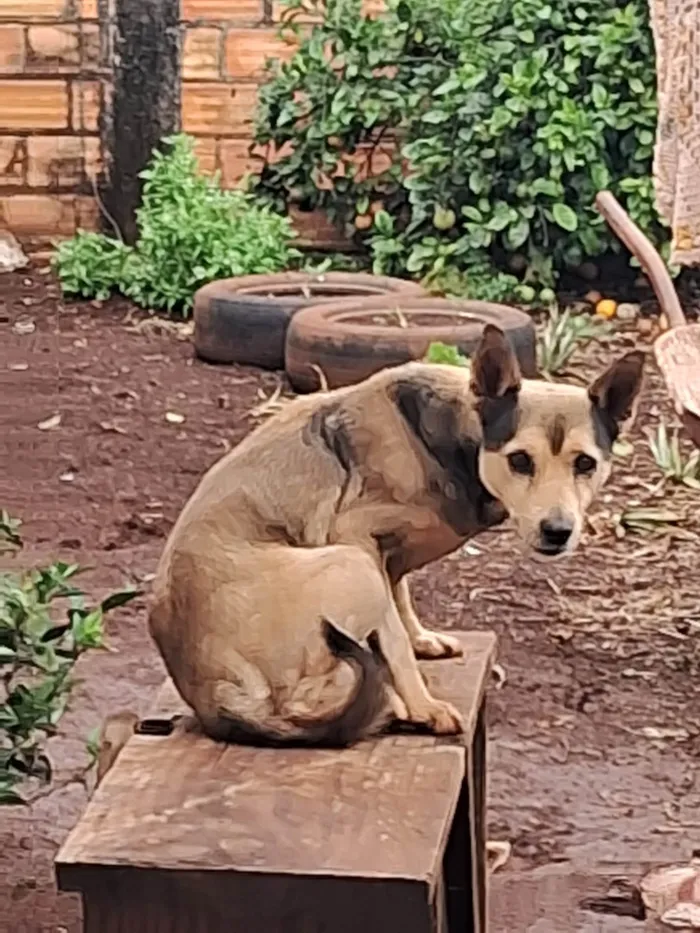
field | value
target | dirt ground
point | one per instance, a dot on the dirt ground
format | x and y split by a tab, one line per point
594	738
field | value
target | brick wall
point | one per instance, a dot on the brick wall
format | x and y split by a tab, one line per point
223	57
51	76
55	78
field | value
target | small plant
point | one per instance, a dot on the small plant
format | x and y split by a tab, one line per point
564	333
445	353
39	647
191	232
666	451
648	520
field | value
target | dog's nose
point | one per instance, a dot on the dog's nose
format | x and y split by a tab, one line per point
555	534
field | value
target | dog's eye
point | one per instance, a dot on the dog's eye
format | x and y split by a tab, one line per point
521	462
584	465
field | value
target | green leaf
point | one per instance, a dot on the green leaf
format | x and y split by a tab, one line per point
119	599
383	223
445	353
518	233
599	95
565	217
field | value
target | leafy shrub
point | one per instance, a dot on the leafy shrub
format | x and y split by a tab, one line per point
38	651
505	119
94	265
190	232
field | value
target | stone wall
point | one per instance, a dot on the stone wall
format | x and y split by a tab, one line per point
56	82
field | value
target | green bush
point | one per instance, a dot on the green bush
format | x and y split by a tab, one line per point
509	117
38	652
190	232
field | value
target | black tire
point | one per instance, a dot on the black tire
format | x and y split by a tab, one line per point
346	351
245	320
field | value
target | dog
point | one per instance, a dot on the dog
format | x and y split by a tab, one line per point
281	603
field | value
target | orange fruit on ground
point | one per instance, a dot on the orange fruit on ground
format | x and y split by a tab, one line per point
606	308
363	221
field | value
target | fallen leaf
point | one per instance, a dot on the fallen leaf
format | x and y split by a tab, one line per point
653	732
126	395
270	405
67	477
173	417
622	899
111	428
622	448
683	916
23	327
18	367
497	854
50	423
499	675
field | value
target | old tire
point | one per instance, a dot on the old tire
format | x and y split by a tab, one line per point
345	343
245	319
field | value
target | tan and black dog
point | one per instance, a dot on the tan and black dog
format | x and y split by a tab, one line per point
294	549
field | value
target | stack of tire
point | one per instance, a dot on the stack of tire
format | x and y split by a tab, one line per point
345	325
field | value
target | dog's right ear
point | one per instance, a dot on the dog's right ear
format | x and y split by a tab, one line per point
496	382
495	369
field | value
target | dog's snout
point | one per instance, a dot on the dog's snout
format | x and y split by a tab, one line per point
554	534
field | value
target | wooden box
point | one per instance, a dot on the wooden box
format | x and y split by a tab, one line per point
186	835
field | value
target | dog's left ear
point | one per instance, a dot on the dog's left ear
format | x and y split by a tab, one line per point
495	370
614	392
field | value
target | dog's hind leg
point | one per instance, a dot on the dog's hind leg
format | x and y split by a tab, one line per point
426	644
244	695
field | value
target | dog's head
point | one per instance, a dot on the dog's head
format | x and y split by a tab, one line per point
546	448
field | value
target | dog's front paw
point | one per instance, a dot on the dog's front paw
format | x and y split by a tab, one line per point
443	719
433	645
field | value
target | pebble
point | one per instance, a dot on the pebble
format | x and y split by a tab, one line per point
627	311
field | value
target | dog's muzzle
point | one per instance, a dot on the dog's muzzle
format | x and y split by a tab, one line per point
554	535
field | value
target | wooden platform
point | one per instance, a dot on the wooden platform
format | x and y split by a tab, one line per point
186	834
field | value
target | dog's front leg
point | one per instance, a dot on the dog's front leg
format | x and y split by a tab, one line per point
422	708
426	644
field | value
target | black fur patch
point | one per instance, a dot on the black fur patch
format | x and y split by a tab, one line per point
499	419
327	426
390	547
466	504
605	429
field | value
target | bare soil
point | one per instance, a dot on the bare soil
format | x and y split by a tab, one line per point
594	737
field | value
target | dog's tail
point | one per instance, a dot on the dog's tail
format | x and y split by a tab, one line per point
366	711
